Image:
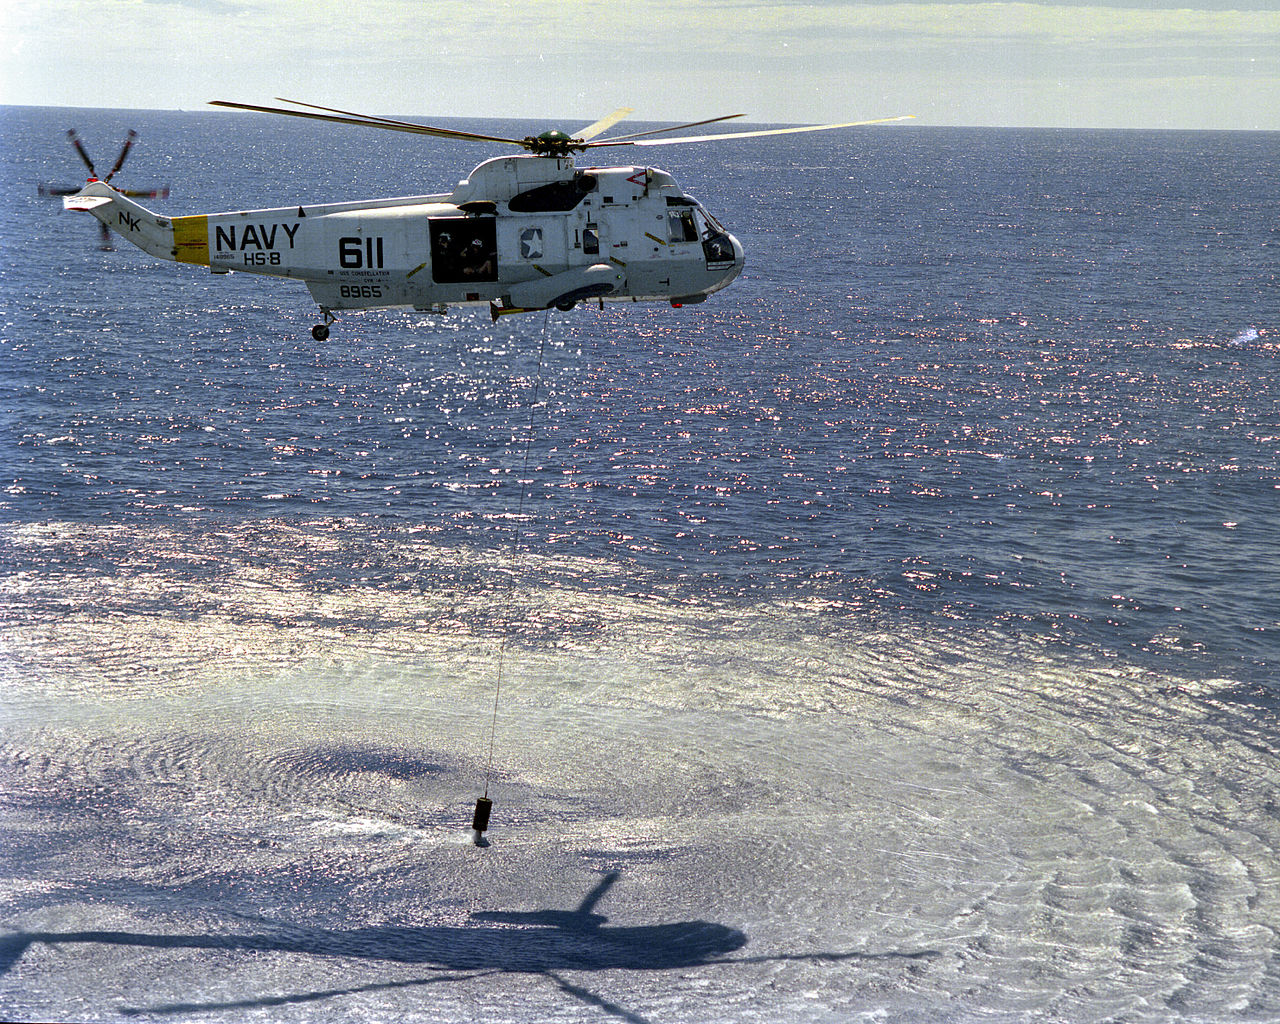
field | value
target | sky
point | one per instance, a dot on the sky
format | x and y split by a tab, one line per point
1070	63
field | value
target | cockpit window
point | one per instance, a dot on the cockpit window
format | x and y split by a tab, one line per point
689	221
716	242
713	225
681	226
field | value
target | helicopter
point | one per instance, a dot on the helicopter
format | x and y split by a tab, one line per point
523	232
60	191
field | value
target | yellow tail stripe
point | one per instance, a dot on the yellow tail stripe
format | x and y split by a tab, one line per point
191	239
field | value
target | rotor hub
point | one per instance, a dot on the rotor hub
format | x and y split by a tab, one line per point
552	143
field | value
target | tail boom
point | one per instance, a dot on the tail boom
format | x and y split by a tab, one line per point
181	239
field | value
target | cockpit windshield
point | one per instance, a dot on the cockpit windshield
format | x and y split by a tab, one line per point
717	245
713	225
689	221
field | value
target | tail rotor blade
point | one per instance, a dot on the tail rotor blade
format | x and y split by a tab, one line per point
128	144
75	141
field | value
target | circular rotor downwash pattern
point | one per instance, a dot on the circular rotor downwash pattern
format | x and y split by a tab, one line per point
247	786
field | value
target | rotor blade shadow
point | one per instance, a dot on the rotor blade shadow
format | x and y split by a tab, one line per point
590	998
296	998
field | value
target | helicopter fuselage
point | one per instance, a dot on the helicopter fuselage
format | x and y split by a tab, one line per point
520	233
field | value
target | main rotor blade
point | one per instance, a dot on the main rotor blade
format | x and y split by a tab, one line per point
368	122
409	126
750	135
75	141
604	124
128	143
660	131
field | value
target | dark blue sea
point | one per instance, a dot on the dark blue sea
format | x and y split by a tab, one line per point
894	637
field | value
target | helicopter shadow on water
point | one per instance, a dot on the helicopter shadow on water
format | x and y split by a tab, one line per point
501	942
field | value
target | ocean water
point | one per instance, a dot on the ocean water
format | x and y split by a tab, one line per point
893	637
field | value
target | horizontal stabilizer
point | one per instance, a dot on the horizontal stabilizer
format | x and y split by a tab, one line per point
83	202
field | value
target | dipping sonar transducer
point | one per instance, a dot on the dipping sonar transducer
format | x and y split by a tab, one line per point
480	821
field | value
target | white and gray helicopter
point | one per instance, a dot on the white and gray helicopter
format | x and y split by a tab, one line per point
521	233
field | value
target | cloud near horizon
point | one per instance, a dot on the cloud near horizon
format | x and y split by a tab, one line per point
1022	63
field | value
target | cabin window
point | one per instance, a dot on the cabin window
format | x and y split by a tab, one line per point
464	249
591	240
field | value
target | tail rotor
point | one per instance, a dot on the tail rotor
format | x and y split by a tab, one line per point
83	153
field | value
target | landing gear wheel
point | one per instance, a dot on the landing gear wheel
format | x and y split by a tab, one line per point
321	330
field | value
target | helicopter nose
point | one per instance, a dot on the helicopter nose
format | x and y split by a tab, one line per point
739	257
739	261
723	276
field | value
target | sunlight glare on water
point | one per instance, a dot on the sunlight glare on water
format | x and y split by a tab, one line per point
892	637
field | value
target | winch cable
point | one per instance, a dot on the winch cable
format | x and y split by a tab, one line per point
480	820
